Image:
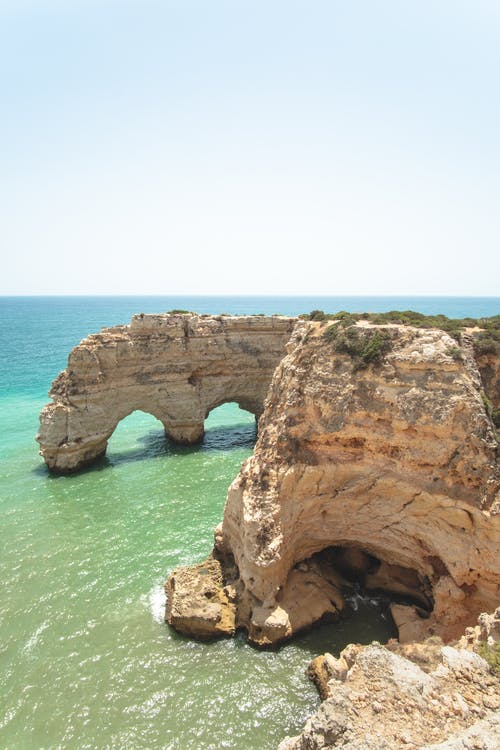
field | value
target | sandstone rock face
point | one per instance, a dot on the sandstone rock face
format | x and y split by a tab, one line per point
200	602
487	632
489	367
427	696
176	367
396	461
209	600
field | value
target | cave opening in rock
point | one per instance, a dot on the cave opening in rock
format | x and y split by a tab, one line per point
374	574
360	575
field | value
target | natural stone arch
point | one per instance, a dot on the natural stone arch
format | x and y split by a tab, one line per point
176	367
242	404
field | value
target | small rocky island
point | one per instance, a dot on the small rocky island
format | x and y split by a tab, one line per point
375	465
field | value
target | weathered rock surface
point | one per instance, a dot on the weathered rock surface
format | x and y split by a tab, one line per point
487	631
209	600
393	465
426	696
489	367
176	367
200	600
482	735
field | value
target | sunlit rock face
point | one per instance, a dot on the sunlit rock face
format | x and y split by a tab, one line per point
395	461
423	695
382	471
177	367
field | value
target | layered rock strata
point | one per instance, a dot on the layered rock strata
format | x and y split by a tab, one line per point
177	367
385	467
426	696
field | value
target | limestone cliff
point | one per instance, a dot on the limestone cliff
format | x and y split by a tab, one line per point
426	696
376	460
177	367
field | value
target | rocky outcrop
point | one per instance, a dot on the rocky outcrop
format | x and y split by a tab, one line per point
209	600
376	461
426	696
177	367
200	600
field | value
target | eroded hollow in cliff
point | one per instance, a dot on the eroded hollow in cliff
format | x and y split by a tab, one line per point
354	569
330	585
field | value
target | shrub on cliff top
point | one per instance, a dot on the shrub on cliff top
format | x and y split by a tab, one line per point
486	342
317	315
364	345
491	654
348	319
455	353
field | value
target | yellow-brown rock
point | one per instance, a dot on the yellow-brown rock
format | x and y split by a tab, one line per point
177	367
199	600
426	696
396	459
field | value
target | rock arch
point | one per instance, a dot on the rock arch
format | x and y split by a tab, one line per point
177	367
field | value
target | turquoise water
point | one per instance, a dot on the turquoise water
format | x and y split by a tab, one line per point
85	659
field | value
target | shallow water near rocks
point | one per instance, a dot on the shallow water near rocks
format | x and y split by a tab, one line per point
86	660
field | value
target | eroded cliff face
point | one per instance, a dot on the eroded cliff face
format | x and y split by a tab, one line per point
386	473
489	368
176	367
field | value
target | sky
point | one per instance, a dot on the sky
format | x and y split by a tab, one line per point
250	147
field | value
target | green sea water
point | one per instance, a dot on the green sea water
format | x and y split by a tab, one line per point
86	660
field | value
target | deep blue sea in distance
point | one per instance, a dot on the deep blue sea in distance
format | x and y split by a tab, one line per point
48	327
86	660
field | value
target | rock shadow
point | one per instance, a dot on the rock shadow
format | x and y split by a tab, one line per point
155	444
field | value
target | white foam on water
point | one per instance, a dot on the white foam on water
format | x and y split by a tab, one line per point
33	640
157	603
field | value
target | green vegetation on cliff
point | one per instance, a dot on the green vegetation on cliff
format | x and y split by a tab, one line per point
491	654
365	346
486	340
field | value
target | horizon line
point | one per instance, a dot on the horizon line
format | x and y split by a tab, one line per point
260	296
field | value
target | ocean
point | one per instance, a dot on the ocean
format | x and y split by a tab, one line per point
86	660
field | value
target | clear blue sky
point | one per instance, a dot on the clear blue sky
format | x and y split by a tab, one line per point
281	147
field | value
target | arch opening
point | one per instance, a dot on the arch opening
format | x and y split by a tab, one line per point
140	434
137	436
228	426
